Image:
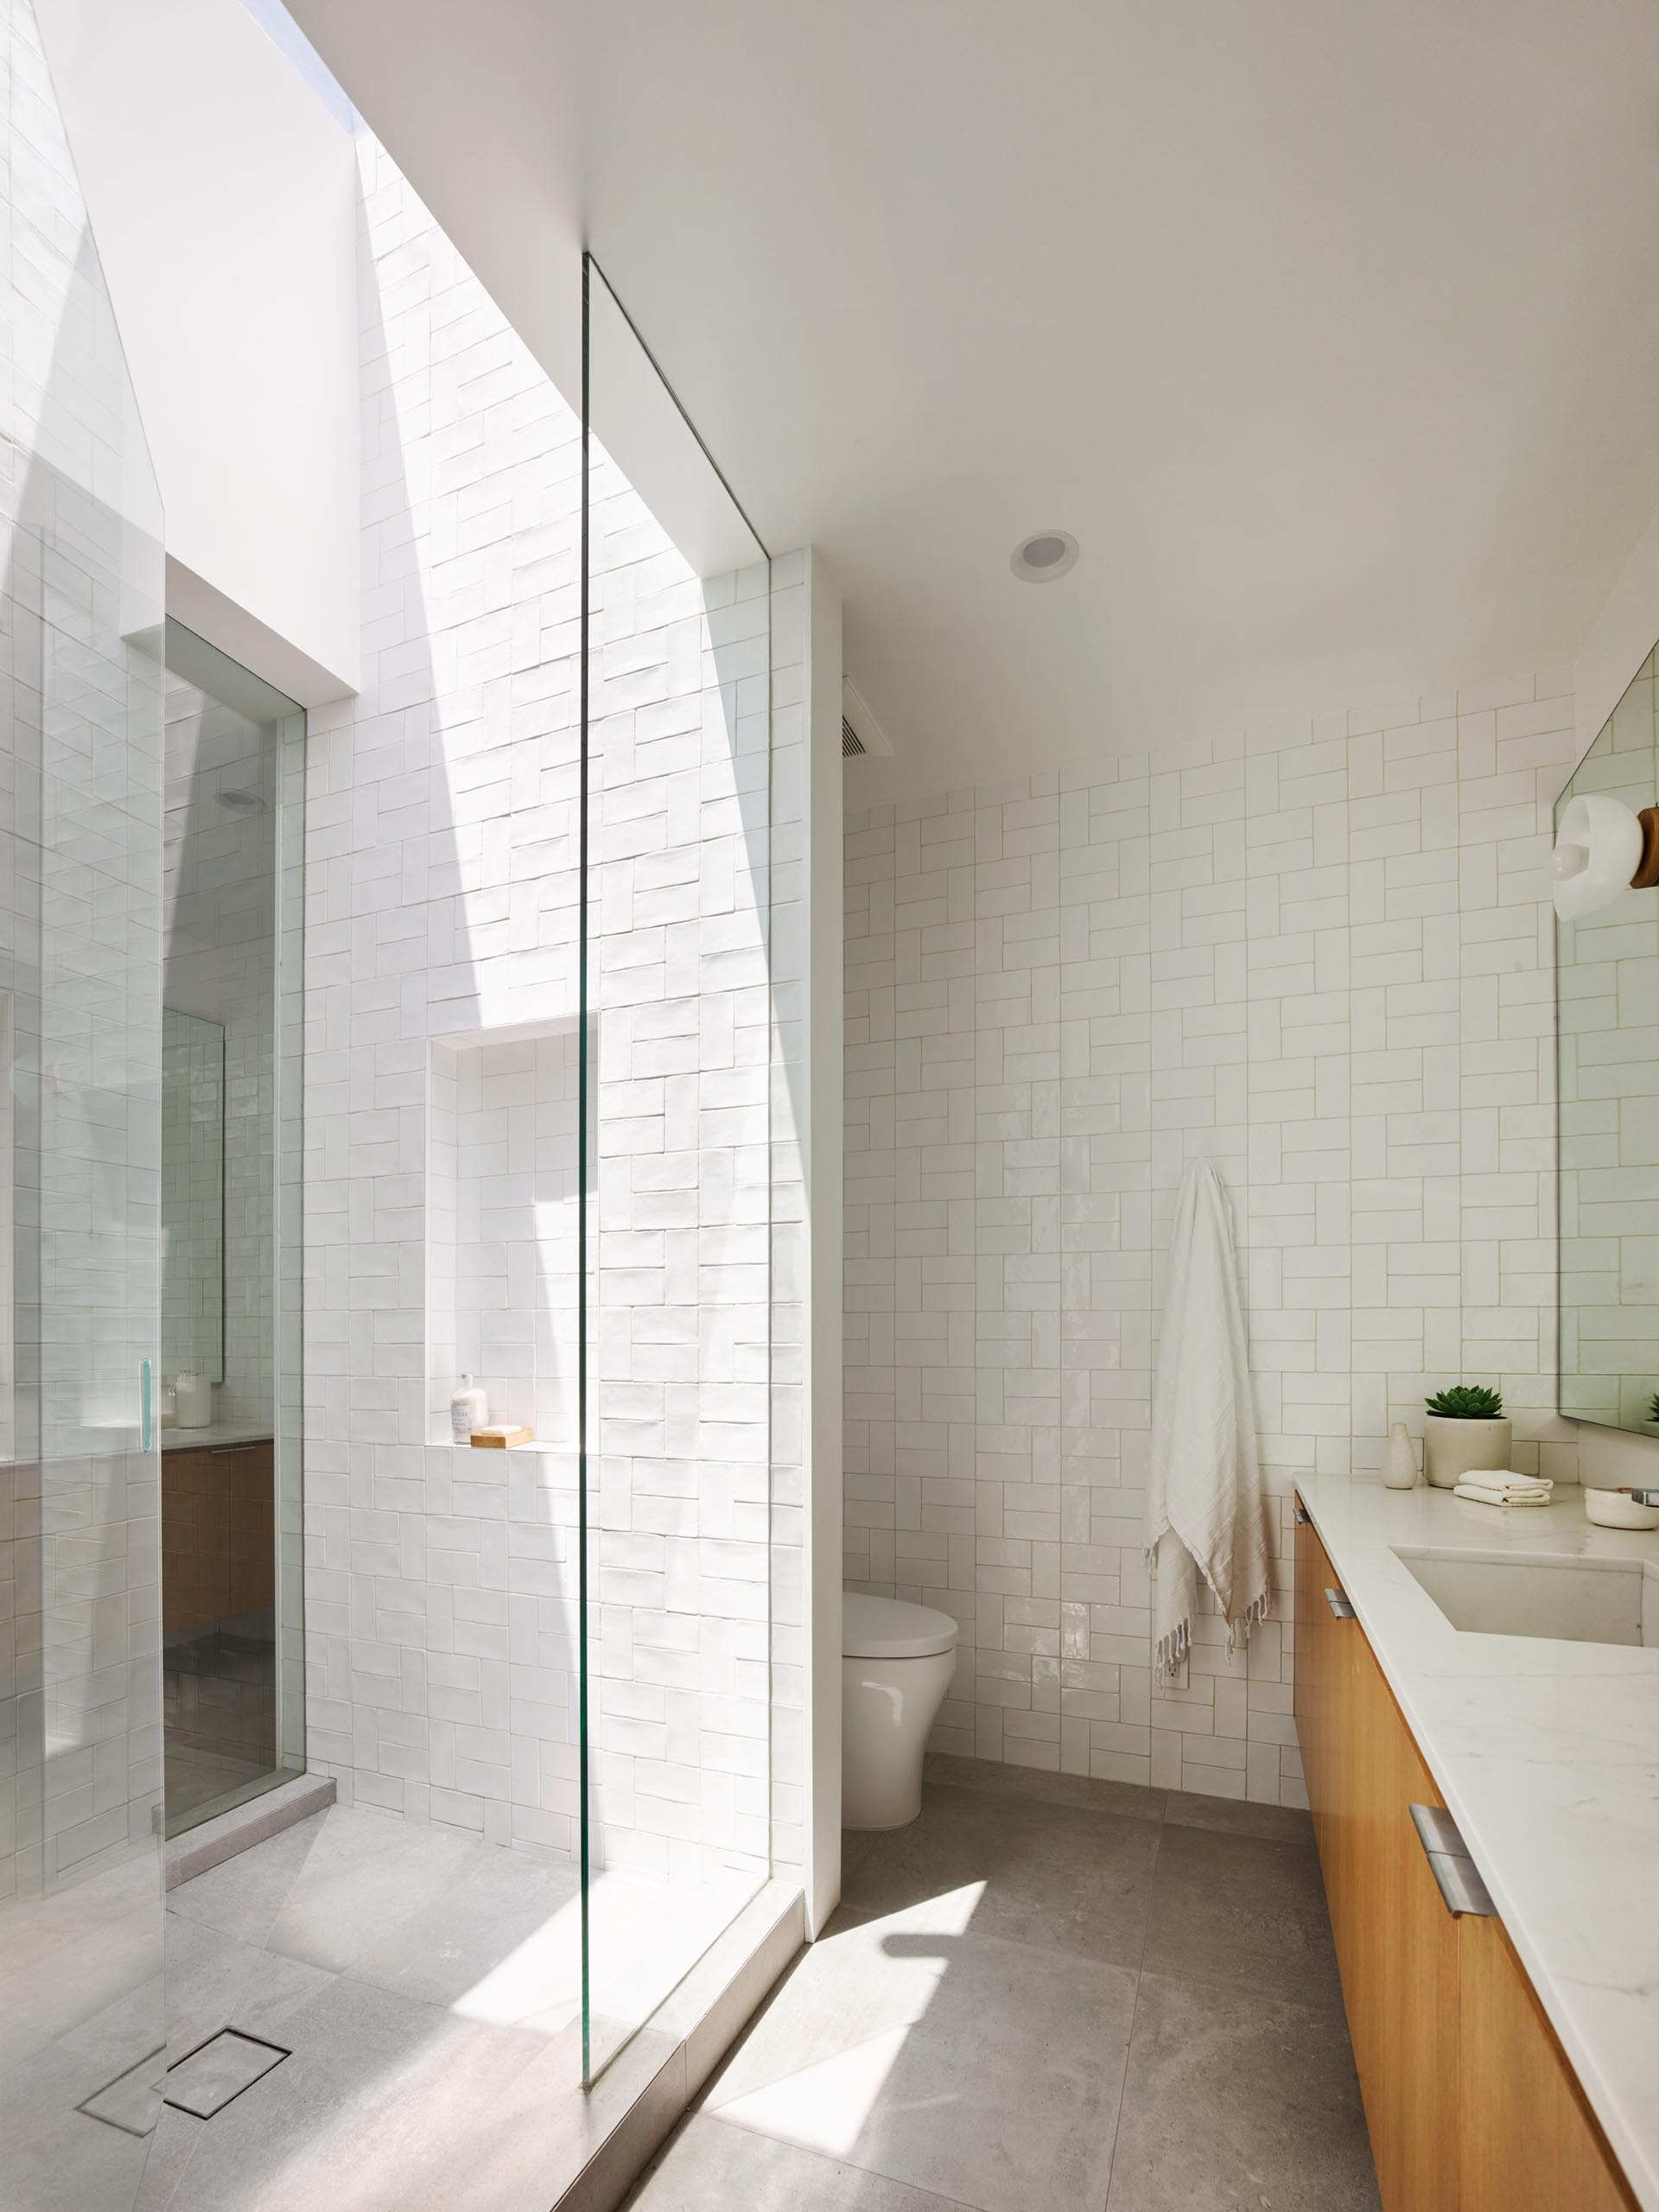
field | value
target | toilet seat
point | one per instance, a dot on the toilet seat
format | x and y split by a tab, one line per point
887	1628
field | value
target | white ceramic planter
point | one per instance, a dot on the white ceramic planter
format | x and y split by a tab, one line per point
1453	1449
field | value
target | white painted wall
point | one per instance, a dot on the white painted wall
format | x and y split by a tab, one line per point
1620	639
223	197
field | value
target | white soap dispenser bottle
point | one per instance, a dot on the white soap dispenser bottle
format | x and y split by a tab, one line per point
468	1410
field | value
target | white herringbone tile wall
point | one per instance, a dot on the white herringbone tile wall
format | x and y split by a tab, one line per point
443	902
1320	953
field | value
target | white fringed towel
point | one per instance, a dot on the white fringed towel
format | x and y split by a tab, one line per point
1203	1498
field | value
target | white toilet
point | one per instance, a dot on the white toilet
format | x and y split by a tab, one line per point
897	1661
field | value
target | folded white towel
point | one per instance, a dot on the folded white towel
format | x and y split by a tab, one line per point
1514	1492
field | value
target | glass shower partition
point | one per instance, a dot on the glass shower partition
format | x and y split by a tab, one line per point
82	1914
232	1615
674	1268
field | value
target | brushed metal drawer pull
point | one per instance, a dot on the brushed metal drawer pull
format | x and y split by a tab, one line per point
1456	1876
1300	1516
1340	1608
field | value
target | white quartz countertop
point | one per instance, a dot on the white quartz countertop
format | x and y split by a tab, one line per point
1548	1755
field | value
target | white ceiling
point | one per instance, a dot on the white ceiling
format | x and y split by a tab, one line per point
1329	329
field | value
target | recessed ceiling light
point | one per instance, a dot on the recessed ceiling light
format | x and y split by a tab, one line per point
1047	554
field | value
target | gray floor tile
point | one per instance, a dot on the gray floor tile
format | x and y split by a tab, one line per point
363	1875
855	1843
214	1981
55	2159
242	1896
913	2047
1233	1909
476	1926
1235	2100
133	2099
110	1967
171	2148
377	2092
1069	1880
1231	1816
1003	1779
708	2166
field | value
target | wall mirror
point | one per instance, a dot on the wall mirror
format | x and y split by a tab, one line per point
1607	1053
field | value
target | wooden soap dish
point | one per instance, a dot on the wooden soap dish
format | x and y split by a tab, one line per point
499	1435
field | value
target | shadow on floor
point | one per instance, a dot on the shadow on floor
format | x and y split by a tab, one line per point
1047	1992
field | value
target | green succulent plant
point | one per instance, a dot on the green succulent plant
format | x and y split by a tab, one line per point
1653	1407
1470	1401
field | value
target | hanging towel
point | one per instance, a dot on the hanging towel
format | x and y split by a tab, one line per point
1203	1498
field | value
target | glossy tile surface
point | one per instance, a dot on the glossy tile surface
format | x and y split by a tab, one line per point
1080	1994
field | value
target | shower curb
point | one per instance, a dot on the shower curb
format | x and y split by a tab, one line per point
244	1826
705	2015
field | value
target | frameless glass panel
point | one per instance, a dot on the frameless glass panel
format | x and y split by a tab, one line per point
233	1628
80	1022
676	1272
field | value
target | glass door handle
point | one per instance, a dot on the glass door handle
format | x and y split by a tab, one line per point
143	1405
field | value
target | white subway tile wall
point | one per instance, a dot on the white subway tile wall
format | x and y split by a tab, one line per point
1319	952
501	1231
443	897
679	982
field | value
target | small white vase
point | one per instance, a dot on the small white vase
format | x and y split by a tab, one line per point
1399	1460
1453	1449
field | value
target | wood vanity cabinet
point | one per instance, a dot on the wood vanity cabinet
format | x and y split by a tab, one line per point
1471	2103
219	1556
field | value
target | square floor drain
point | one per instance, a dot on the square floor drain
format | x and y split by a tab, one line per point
217	2071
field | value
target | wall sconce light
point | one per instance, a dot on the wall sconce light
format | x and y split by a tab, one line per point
1602	848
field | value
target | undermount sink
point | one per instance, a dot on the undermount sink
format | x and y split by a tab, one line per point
1572	1600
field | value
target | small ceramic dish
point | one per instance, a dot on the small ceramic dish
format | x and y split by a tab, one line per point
1616	1509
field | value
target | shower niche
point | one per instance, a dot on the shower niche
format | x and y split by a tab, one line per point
503	1192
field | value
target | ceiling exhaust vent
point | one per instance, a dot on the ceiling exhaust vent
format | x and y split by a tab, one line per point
860	732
